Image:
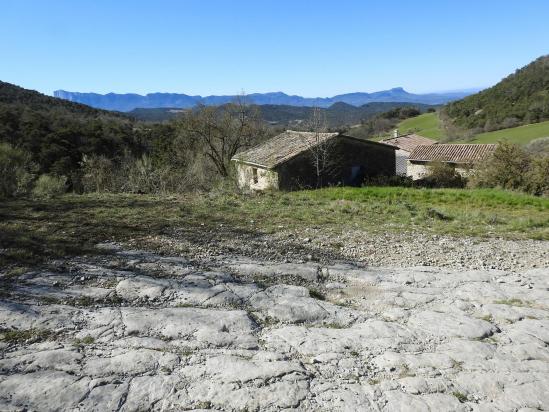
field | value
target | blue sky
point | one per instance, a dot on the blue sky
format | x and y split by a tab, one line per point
310	48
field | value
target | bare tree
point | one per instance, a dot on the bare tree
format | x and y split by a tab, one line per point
320	147
224	130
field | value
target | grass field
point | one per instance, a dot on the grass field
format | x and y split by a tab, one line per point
427	125
517	135
31	230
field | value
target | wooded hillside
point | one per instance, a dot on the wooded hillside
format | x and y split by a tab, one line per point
521	98
57	133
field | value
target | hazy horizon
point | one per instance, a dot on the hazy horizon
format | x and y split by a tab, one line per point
245	92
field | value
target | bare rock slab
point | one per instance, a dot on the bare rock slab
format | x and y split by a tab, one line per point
451	325
216	327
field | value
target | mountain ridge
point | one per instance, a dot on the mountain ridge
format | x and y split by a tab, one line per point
520	98
338	114
129	101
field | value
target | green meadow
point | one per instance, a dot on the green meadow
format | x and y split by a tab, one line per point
428	125
517	135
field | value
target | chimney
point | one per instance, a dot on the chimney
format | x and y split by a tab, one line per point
395	133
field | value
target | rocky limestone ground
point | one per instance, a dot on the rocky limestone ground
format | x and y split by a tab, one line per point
280	322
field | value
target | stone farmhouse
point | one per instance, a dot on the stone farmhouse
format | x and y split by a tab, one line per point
463	157
290	161
405	144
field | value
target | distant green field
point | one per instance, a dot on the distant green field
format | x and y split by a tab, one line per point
427	125
517	135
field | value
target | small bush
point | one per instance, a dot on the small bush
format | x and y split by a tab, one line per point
48	186
537	177
98	174
461	397
142	175
16	171
443	175
315	294
86	340
538	147
512	167
506	169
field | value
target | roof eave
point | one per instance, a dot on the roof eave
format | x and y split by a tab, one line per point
234	159
446	161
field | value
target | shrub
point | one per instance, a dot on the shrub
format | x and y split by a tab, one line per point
512	167
16	171
138	175
510	122
506	169
98	174
443	175
538	147
49	186
537	178
142	175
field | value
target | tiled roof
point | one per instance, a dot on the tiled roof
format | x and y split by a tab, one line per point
289	144
408	142
454	153
282	148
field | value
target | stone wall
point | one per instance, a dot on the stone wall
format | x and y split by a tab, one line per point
266	179
419	170
351	162
401	160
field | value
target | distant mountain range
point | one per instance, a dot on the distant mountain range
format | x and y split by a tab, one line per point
338	114
130	101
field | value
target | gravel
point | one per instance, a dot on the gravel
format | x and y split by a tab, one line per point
399	250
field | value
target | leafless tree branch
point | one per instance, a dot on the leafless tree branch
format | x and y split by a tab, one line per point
320	148
224	130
